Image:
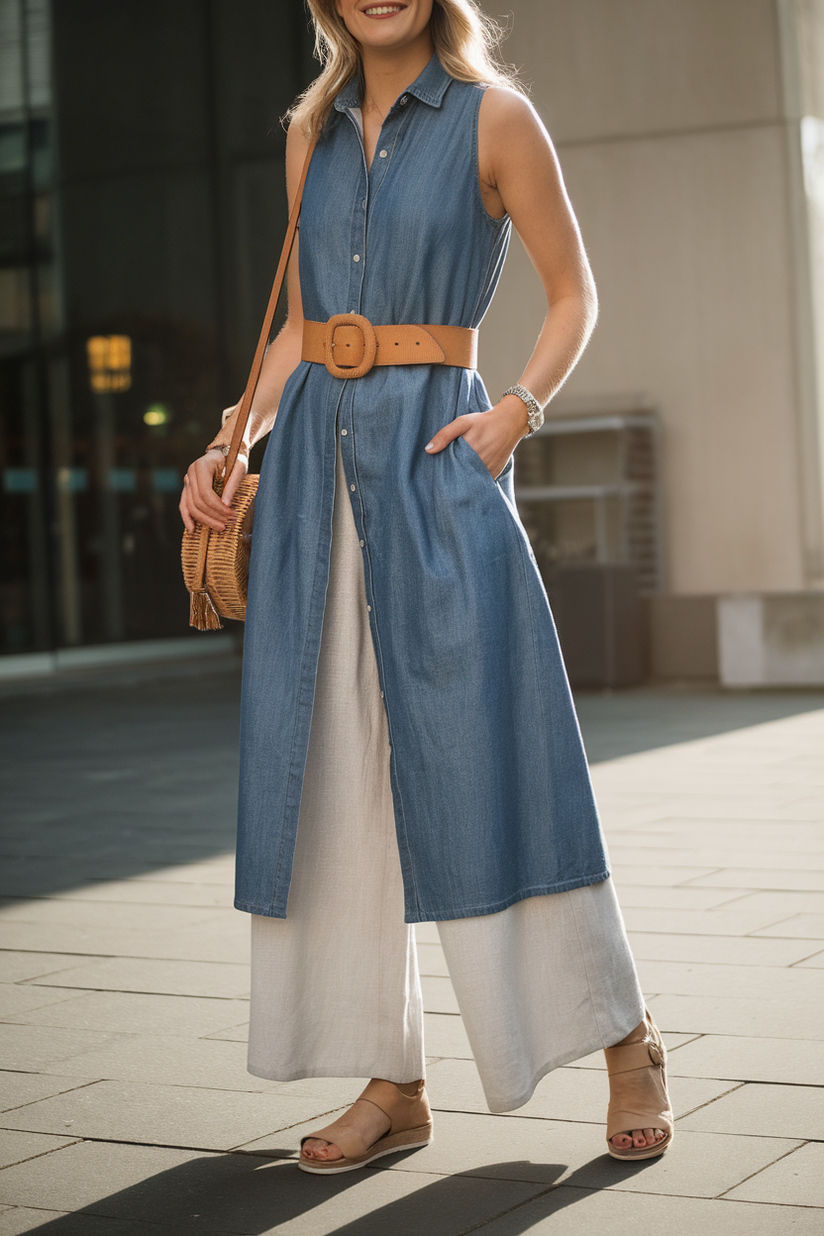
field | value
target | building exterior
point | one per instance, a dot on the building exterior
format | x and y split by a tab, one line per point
691	134
142	199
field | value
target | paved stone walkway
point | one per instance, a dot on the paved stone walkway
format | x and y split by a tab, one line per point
126	1105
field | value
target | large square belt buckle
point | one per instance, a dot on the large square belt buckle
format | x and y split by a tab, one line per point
349	345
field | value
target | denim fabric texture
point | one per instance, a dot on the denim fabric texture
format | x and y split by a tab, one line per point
492	796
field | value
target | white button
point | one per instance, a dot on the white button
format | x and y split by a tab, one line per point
361	544
369	609
404	101
352	487
343	433
381	694
356	258
383	154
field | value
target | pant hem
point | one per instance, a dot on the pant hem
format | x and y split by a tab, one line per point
337	1071
499	1106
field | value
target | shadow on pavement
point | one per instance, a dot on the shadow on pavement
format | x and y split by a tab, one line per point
109	776
643	718
240	1193
108	780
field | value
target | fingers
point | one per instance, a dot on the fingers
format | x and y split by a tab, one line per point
231	486
183	507
448	434
199	502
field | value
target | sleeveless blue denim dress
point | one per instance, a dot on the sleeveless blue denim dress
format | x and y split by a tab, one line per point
492	797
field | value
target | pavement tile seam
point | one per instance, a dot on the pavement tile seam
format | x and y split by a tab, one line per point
731	1201
709	1102
718	871
88	1211
129	991
87	958
41	1154
752	1175
476	1227
53	1216
78	1086
757	933
692	1038
802	960
749	1081
747	936
205	1150
284	1128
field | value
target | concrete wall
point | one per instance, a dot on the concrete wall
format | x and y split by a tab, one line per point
678	127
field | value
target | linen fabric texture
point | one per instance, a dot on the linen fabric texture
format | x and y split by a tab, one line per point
491	793
335	986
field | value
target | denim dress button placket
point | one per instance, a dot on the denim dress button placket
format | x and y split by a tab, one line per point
357	272
360	226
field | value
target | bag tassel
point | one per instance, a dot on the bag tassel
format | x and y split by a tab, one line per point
202	612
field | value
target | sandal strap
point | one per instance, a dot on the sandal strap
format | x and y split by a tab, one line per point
404	1111
621	1120
634	1056
639	1100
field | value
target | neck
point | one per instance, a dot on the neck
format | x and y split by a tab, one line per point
388	72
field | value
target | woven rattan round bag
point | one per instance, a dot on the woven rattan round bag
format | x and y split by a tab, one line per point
216	564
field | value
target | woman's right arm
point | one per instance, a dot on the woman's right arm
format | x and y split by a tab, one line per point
199	503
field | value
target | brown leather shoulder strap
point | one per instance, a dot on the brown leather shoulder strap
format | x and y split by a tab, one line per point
263	341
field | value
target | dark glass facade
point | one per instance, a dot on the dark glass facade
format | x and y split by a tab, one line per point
142	208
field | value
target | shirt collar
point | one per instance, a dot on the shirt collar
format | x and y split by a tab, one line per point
430	86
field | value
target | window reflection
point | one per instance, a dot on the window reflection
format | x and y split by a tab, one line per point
137	241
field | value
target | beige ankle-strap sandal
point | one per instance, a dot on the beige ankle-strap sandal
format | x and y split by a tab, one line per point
638	1093
410	1128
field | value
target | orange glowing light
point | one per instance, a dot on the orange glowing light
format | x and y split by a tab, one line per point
110	362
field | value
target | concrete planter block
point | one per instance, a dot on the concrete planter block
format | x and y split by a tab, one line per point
771	639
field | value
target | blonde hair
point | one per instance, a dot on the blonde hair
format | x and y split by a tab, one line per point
466	40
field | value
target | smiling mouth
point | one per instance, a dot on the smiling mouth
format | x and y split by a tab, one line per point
383	10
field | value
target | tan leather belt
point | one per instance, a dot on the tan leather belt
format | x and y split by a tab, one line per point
349	345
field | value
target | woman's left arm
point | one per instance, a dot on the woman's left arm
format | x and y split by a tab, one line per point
520	176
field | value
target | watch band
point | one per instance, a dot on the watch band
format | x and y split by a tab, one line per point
534	411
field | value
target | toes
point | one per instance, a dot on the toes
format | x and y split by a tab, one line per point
316	1149
638	1139
328	1151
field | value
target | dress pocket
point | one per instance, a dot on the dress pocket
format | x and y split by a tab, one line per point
474	458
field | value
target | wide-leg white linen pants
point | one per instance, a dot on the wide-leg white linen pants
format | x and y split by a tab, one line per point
335	985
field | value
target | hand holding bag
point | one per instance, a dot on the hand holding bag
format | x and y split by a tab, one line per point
216	564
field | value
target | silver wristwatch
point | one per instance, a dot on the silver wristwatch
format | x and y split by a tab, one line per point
534	411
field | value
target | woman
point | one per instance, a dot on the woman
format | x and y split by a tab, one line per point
409	746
